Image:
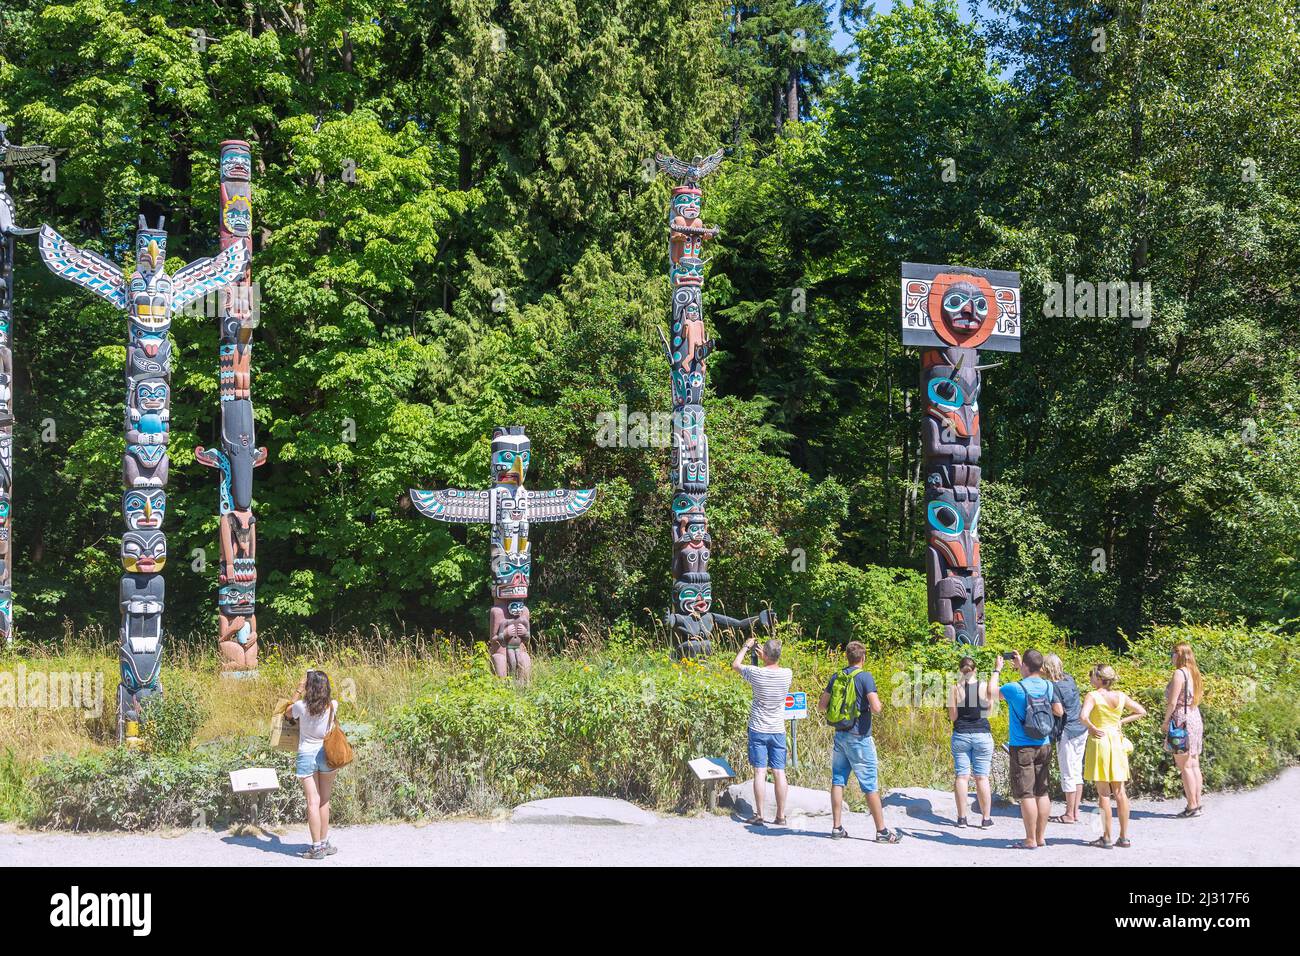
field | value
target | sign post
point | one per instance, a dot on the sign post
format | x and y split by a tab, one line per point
796	709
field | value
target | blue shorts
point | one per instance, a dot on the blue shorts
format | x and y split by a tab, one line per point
766	751
310	762
972	753
852	752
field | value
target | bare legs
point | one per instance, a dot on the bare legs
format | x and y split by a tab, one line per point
983	794
1034	811
1189	768
779	784
318	788
873	804
1072	800
1104	792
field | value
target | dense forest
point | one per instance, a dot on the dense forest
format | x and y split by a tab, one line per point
457	229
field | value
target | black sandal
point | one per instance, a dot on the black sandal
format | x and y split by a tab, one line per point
1101	843
780	822
755	821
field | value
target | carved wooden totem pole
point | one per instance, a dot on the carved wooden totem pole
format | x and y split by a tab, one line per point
953	312
691	620
509	508
10	157
149	298
238	454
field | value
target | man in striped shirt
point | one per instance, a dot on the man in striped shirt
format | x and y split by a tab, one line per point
771	683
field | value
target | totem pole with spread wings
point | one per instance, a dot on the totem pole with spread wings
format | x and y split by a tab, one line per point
150	297
509	508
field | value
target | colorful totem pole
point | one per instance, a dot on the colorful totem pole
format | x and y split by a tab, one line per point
691	620
149	299
10	157
953	312
509	508
238	454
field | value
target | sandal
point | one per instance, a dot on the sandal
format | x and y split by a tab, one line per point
1123	843
1021	845
755	821
780	822
1061	819
1101	843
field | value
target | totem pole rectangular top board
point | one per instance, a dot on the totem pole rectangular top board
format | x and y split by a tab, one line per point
953	311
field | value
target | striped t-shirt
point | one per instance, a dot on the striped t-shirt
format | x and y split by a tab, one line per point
771	684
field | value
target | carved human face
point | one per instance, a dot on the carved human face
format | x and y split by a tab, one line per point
510	573
962	309
693	599
144	552
686	203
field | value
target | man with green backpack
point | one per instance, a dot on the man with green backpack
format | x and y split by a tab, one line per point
849	701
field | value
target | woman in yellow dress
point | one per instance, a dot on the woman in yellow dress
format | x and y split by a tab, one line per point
1105	760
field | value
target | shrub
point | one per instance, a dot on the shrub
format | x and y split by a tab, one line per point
172	719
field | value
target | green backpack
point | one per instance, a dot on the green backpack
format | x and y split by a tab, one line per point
845	707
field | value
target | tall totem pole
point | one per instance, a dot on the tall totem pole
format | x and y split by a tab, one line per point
10	156
238	454
509	508
691	620
149	299
953	312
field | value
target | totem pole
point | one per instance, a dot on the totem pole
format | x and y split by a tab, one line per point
953	312
509	508
10	157
691	620
238	454
149	298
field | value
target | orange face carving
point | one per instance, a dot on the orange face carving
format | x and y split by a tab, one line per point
963	309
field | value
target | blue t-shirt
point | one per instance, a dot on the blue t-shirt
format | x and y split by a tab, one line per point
1014	695
865	684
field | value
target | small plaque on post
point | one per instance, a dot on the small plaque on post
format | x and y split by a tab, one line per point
254	780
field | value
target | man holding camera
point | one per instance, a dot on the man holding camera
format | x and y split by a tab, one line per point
1032	703
767	749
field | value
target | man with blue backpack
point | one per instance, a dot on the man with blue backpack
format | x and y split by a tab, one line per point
849	701
1033	706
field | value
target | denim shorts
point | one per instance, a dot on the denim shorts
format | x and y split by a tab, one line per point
852	752
972	753
766	750
313	761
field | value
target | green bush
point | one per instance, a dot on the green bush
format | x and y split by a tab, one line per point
130	790
172	719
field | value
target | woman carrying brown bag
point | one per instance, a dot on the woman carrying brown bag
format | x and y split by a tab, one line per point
316	714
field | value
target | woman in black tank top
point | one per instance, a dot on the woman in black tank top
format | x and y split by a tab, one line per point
969	706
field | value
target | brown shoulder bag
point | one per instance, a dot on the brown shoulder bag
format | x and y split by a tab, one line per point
338	752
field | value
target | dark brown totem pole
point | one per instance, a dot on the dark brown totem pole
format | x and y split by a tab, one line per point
691	620
953	312
238	454
149	297
10	156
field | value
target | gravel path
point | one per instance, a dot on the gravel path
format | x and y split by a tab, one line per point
1249	828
